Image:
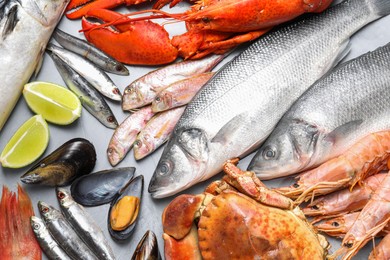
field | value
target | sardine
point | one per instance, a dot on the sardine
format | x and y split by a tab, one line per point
84	225
125	134
240	106
142	91
97	77
48	245
156	132
180	93
63	233
90	52
25	29
330	117
90	98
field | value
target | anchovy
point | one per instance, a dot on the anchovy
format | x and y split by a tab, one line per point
335	113
156	132
98	78
48	245
25	29
180	93
90	98
90	52
142	91
125	134
240	106
84	225
63	233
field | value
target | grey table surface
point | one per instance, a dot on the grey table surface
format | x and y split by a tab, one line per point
372	36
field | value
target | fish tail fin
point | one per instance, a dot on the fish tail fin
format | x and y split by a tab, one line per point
380	7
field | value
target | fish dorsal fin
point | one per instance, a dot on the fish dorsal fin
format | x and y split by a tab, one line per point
343	130
194	143
229	129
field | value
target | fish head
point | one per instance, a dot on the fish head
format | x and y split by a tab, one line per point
37	224
286	151
162	101
47	212
182	164
133	96
110	120
64	197
115	154
143	146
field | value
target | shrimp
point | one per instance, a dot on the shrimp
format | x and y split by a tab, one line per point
371	220
382	251
339	226
370	155
343	201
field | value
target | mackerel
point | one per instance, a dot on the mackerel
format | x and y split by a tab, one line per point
240	106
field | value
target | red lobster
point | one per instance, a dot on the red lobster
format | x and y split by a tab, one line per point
213	26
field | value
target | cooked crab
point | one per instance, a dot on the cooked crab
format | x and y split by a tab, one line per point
239	217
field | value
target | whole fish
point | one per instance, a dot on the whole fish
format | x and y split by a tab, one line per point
25	29
125	134
63	233
156	132
180	93
240	106
90	52
84	225
142	91
98	78
48	245
90	98
336	112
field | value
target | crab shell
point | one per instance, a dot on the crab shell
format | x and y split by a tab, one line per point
234	226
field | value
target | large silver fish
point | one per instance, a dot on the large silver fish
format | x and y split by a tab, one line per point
331	116
25	29
240	106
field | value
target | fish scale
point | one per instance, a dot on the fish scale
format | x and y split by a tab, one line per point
342	108
236	110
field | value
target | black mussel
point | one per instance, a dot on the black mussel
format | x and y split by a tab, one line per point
147	248
101	187
72	159
124	210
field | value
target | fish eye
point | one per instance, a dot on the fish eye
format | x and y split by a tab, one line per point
164	168
110	119
61	195
45	209
36	226
158	99
138	143
129	90
269	153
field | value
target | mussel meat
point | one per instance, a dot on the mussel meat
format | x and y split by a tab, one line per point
124	210
100	187
72	159
147	248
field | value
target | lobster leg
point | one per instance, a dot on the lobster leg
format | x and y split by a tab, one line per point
129	43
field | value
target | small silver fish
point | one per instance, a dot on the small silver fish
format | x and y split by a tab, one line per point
142	91
156	132
63	233
90	98
90	52
125	134
48	245
84	225
180	93
98	78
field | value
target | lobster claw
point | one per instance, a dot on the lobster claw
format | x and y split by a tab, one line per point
128	42
79	8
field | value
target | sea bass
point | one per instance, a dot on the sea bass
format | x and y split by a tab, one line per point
336	112
240	106
25	29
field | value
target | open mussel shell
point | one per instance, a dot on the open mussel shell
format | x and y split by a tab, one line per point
124	210
72	159
147	248
101	187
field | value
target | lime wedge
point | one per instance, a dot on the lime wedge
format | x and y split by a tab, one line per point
27	144
56	104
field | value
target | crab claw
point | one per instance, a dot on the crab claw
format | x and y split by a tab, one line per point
78	8
130	42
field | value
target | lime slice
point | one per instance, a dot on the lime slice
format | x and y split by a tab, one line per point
56	104
27	144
